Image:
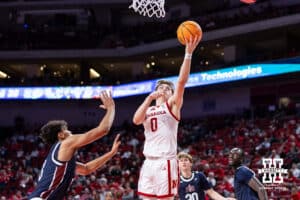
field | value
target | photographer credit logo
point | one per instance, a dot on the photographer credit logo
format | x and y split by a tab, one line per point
272	170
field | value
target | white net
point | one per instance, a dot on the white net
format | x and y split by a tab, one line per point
149	7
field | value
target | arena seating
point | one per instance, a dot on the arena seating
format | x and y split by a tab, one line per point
22	154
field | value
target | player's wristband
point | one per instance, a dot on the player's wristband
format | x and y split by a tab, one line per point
188	56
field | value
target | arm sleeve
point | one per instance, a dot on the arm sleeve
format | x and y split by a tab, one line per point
244	175
204	184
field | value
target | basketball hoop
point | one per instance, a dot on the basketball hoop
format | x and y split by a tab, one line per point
149	7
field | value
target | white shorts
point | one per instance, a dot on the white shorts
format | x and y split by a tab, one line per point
159	178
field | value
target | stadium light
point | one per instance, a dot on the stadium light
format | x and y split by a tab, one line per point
3	75
94	74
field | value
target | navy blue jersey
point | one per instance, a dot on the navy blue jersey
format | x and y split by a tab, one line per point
55	176
242	190
194	187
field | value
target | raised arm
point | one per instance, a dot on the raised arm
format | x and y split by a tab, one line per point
88	168
184	73
256	185
140	113
79	140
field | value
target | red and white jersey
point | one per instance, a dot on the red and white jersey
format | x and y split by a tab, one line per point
161	127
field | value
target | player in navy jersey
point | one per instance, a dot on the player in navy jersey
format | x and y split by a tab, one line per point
246	185
193	184
60	167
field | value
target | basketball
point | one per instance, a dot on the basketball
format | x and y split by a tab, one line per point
188	30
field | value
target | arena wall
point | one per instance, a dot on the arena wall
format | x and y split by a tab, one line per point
85	112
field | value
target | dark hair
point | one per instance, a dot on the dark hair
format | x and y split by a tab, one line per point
237	151
240	153
50	130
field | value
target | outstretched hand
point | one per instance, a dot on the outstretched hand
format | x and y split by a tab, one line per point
107	100
191	44
115	147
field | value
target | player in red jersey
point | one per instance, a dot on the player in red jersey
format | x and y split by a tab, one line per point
159	174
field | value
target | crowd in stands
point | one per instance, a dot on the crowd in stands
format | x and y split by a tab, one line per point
208	140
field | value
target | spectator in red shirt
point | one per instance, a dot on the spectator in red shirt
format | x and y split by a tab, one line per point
295	193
